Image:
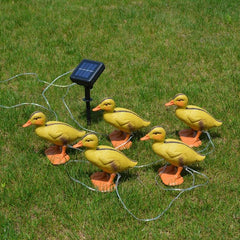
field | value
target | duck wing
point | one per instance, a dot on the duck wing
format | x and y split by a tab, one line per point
61	132
178	153
174	148
195	114
199	118
122	116
112	160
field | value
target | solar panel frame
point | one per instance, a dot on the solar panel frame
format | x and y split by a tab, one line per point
87	72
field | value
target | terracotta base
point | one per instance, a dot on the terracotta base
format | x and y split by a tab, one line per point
101	181
118	137
187	136
169	177
54	154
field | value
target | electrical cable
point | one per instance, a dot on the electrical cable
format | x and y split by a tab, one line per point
172	189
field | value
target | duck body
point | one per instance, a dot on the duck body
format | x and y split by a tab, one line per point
197	118
176	152
125	120
121	118
59	133
109	159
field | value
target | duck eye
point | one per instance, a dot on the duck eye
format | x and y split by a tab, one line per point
180	100
36	118
88	140
157	133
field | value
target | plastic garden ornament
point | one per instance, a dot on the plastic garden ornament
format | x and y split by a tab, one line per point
126	121
173	151
107	158
198	119
58	133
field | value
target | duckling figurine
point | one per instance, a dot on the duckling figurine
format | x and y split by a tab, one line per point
56	132
107	158
198	119
173	151
126	121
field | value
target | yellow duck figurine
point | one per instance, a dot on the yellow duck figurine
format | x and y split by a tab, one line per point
198	119
173	151
123	119
59	133
109	159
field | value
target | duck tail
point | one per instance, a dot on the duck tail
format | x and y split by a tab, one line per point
146	123
201	158
218	123
81	133
133	163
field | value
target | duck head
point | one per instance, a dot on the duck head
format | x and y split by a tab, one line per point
107	104
157	134
179	100
37	118
90	141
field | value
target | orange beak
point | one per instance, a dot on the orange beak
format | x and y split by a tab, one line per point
96	108
169	103
77	145
28	123
146	137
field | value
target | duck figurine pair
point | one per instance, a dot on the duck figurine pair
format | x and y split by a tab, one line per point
111	160
124	120
59	133
198	119
127	121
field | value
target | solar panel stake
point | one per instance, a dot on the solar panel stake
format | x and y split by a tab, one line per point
86	74
87	99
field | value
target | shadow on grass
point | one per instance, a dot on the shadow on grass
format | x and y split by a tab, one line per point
96	117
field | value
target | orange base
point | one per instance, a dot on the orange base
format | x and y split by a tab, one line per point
54	154
187	136
168	176
101	181
118	137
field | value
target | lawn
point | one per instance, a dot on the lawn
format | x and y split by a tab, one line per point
152	50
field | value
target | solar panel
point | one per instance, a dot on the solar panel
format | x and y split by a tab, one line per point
87	72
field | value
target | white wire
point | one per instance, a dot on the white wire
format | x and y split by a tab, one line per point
125	142
49	85
21	104
170	204
210	142
23	74
72	117
149	164
76	180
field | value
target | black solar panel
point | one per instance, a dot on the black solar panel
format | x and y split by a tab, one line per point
87	72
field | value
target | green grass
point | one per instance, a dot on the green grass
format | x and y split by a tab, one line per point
152	50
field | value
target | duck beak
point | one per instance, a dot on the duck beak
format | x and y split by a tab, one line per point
77	145
169	103
96	108
146	137
28	123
